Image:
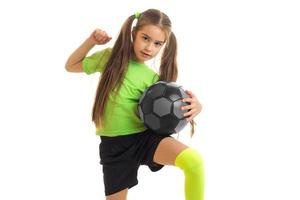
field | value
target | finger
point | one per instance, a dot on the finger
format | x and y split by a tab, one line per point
106	35
94	32
98	37
191	118
97	32
186	107
107	40
187	100
100	34
188	113
102	39
189	92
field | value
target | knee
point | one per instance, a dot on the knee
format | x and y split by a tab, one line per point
190	161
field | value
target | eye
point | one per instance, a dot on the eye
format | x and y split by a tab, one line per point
145	38
158	44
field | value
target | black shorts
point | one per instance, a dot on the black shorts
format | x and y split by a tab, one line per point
121	157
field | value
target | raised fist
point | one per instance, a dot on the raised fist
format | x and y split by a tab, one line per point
100	37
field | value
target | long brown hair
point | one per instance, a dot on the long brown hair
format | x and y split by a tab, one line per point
115	69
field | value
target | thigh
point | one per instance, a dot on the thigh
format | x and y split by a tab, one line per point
118	196
167	151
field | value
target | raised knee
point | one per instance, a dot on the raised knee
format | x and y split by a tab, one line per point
190	161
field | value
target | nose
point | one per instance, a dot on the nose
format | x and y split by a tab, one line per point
149	47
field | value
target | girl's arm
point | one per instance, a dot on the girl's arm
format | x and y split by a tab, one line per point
74	62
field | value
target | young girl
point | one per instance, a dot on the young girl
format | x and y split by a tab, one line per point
125	142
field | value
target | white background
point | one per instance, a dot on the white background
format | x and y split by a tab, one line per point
240	58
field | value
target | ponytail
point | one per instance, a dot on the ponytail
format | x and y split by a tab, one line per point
114	71
168	70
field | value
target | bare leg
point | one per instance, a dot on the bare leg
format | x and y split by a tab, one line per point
172	152
122	195
167	151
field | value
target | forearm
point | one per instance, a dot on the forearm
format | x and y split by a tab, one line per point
79	54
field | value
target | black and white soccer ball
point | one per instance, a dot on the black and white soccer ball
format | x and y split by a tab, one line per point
160	108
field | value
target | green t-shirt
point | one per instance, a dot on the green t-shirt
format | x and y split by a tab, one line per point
121	117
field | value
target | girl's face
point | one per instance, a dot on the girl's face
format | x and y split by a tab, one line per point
147	42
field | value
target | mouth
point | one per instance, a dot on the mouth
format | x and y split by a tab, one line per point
145	54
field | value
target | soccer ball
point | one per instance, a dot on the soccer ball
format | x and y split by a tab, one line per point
160	108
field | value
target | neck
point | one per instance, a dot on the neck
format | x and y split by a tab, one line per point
136	60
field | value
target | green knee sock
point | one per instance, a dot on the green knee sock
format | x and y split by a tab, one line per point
191	163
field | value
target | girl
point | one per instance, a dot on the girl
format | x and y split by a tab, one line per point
125	142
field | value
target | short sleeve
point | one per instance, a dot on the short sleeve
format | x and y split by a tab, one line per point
96	62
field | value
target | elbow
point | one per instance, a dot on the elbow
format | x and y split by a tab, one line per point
68	67
73	67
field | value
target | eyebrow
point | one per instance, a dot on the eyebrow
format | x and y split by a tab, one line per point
151	38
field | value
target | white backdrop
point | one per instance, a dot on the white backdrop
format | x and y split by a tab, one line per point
240	58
